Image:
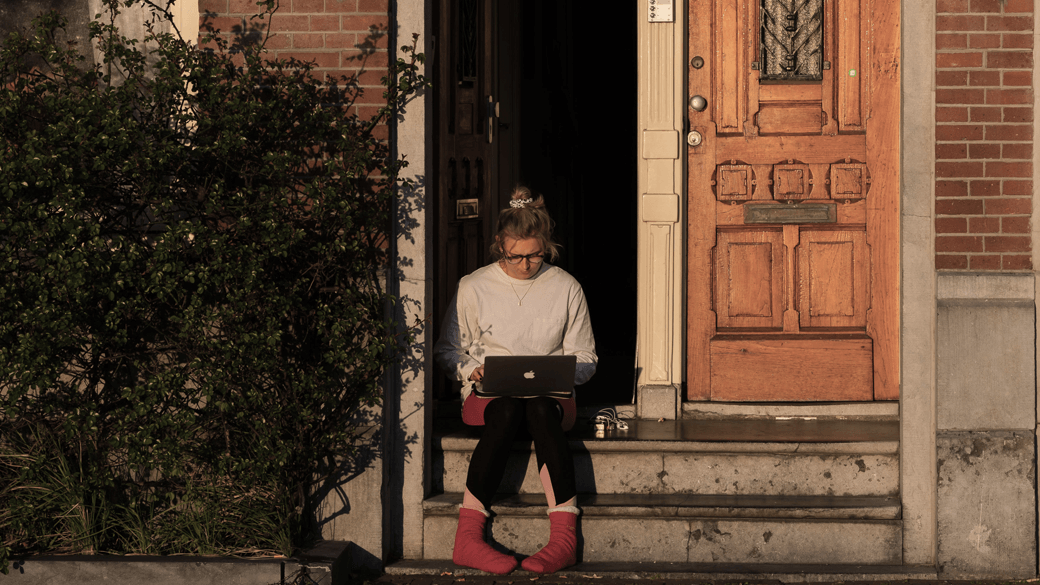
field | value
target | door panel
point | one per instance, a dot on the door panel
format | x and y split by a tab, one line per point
793	230
750	279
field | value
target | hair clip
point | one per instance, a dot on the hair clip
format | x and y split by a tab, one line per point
520	203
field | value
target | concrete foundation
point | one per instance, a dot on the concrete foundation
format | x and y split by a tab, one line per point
986	495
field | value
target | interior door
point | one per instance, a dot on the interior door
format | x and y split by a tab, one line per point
793	235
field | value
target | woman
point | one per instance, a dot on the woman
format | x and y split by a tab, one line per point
518	305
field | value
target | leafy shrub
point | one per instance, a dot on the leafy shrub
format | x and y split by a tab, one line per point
192	245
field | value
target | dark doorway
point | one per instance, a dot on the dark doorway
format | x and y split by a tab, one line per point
577	146
564	78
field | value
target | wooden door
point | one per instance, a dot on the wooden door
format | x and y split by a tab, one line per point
793	195
476	93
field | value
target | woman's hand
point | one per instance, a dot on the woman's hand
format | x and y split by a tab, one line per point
477	375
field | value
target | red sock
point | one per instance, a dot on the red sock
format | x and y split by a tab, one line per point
472	551
562	550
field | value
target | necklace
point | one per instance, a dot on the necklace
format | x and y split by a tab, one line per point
520	299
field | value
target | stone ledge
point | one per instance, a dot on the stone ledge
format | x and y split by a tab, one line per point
727	436
687	506
326	564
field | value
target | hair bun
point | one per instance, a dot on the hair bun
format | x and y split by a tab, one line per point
522	198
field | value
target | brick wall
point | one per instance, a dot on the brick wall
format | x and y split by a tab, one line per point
342	37
984	134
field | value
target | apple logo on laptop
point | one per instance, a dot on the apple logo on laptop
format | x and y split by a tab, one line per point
529	375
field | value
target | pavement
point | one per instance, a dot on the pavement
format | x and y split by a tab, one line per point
445	573
450	578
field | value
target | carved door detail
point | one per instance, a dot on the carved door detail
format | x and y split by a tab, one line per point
793	200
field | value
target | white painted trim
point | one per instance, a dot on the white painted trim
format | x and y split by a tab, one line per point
413	424
186	19
918	288
661	180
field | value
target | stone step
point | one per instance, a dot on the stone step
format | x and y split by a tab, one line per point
614	571
826	457
692	529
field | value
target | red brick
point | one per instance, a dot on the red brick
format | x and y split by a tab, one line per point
244	7
1009	132
984	41
341	41
951	225
982	150
951	188
1016	262
374	6
955	41
1014	225
327	22
1017	206
950	132
289	23
960	23
307	6
1018	114
956	60
950	262
960	96
958	243
367	60
979	6
1006	243
319	59
959	207
948	114
1008	96
984	225
1018	78
959	169
213	6
1009	60
985	188
228	24
1008	169
279	41
952	78
951	6
945	150
381	132
1018	6
1016	41
982	77
1017	151
364	22
984	262
1009	23
1017	187
308	41
984	114
341	6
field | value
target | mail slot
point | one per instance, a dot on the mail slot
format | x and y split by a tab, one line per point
793	213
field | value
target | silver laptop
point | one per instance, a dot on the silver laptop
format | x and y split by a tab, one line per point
528	375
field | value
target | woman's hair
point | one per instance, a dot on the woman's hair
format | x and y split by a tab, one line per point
525	217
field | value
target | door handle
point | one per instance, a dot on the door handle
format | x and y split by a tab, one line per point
492	114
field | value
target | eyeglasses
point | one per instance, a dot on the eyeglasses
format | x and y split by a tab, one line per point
532	258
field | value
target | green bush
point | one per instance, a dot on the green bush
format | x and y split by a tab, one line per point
192	314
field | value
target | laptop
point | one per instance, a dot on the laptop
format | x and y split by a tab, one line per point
528	375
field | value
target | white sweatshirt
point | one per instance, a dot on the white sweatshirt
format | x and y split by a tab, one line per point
495	314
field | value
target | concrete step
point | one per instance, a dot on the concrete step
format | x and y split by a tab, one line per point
797	457
611	571
692	529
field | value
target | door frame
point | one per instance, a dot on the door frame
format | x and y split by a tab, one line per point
661	237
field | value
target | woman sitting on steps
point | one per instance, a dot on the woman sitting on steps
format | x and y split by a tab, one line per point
518	305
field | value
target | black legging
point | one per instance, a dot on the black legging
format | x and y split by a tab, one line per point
503	418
